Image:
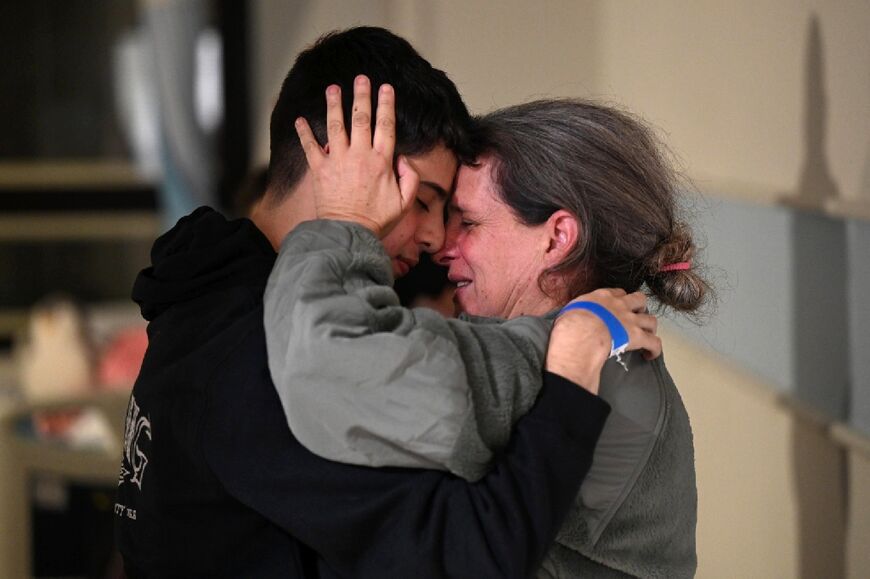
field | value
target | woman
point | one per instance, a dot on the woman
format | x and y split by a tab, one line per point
600	170
568	196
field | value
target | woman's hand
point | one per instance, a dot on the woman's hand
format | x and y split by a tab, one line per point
580	342
354	179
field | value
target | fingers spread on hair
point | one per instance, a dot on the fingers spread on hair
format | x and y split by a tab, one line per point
313	153
361	119
335	120
385	125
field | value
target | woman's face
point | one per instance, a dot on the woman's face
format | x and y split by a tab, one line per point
493	258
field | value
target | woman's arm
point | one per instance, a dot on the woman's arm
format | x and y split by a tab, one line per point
365	381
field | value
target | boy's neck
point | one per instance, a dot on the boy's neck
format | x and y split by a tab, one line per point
276	220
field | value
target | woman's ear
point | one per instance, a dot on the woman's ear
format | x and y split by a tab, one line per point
564	233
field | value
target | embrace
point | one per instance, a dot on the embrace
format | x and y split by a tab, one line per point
302	423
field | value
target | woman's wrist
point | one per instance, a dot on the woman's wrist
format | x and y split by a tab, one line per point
579	346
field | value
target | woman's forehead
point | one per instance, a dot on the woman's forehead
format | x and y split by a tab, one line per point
474	187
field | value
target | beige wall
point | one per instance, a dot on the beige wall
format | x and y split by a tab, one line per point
779	495
727	84
858	514
497	53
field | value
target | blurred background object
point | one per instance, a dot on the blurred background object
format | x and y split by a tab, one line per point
116	118
117	115
57	358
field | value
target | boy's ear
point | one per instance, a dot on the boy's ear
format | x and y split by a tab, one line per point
564	232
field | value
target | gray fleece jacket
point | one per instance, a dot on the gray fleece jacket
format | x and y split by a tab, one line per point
365	381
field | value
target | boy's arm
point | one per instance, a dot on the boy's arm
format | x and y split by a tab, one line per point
367	522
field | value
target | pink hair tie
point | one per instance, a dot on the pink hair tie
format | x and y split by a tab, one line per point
679	266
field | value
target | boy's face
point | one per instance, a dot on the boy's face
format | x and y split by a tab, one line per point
422	228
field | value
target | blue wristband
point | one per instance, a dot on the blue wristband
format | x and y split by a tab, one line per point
618	335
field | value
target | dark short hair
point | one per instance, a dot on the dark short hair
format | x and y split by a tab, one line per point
429	109
606	168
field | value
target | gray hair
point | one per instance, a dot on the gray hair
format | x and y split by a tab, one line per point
606	168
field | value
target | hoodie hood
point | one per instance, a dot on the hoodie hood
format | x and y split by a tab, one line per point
202	253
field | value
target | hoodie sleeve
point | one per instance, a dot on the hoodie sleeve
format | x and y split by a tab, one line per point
366	522
365	381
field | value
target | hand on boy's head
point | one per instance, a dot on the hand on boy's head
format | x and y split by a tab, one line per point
355	180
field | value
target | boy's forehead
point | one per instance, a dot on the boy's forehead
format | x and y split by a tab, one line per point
442	193
437	169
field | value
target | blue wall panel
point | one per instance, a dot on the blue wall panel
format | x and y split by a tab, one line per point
789	306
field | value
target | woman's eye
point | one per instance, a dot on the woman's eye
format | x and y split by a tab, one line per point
423	205
466	224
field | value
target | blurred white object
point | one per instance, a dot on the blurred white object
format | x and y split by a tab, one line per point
188	152
136	102
209	85
92	431
137	98
84	428
57	361
169	92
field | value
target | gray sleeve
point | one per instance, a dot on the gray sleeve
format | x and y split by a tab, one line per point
365	381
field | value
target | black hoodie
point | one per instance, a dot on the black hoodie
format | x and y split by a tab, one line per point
213	483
